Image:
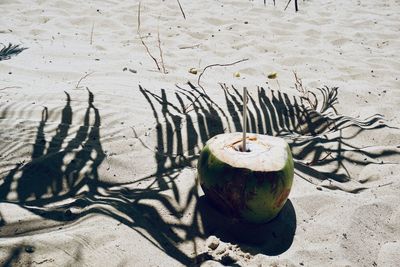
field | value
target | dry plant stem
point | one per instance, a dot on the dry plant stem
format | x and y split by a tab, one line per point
304	92
144	44
244	119
180	7
287	4
216	65
279	86
296	7
385	184
201	74
91	34
138	23
160	51
136	136
82	78
190	46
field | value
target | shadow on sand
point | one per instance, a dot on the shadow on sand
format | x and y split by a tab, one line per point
11	50
272	238
61	181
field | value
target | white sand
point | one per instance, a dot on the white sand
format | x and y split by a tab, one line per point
108	178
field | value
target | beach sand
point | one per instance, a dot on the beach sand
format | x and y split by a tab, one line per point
98	148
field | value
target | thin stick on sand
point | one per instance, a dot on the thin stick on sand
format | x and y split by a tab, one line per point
91	34
82	78
180	6
287	4
143	43
189	46
201	74
160	51
217	65
296	7
244	119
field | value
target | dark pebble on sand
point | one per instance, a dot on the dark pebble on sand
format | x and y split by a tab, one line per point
29	249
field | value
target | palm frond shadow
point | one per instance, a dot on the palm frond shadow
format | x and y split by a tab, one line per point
11	50
14	257
320	149
315	135
61	182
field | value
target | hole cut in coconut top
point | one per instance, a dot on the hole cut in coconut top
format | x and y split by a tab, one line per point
263	152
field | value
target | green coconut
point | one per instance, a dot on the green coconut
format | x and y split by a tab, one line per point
253	185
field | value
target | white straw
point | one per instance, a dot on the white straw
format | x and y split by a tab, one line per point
244	118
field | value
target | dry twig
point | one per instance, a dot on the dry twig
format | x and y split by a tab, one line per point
82	78
305	94
144	44
91	34
201	74
189	46
160	51
296	7
287	4
217	65
180	6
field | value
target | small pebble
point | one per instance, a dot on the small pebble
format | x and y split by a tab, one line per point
29	249
193	70
212	242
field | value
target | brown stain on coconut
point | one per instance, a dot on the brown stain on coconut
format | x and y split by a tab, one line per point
282	198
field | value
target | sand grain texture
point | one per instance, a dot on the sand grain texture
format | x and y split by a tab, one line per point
98	148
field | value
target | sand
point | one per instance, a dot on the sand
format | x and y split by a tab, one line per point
98	148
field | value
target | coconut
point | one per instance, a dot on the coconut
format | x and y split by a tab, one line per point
250	185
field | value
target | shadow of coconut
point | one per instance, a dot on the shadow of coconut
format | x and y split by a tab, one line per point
271	238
